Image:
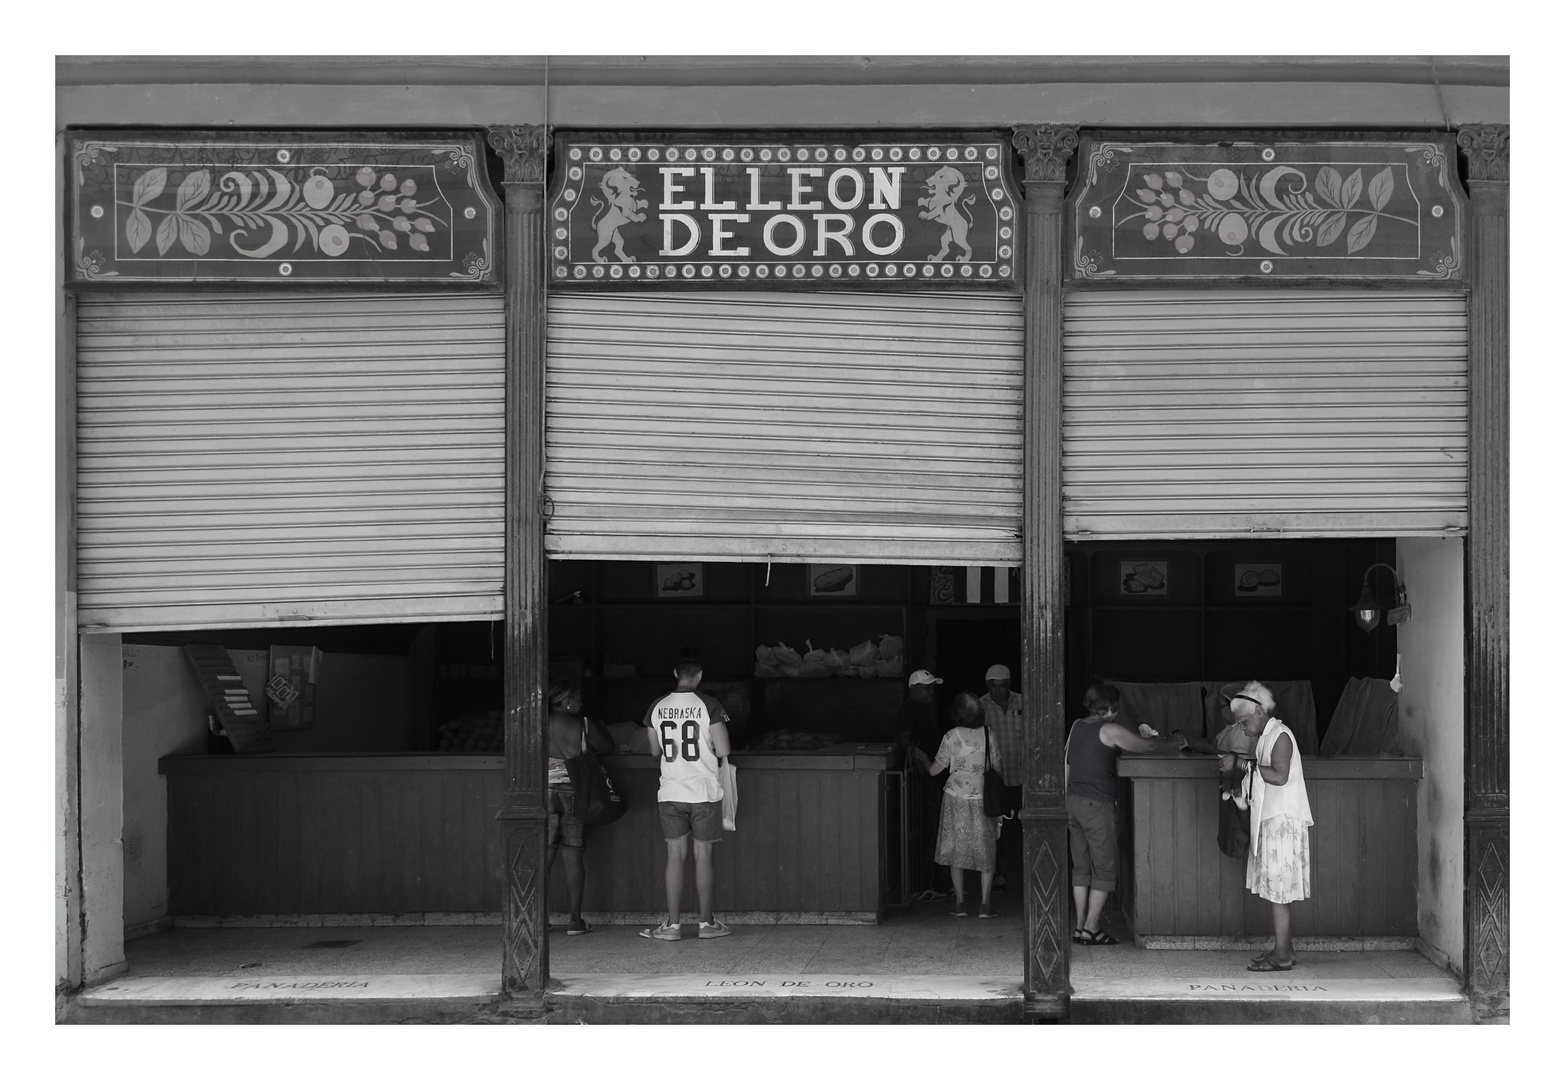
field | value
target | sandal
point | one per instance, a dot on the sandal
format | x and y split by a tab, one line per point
1097	937
1264	964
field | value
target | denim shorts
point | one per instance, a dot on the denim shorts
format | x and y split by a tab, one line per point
680	819
564	827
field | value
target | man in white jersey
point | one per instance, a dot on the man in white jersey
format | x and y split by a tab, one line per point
688	734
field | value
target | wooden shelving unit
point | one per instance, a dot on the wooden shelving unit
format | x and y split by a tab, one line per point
614	632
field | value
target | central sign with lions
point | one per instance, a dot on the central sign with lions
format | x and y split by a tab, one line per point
812	213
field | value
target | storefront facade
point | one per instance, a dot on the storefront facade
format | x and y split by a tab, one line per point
1084	326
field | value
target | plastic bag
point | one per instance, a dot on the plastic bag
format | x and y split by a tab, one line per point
790	671
728	776
890	646
765	655
863	653
836	660
765	671
786	656
814	656
866	671
812	669
889	669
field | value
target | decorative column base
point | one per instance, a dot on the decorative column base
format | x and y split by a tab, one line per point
525	909
1046	856
1488	961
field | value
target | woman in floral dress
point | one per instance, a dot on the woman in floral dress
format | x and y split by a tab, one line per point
967	836
1278	869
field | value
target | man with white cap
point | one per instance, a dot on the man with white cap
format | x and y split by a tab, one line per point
917	727
1003	718
916	716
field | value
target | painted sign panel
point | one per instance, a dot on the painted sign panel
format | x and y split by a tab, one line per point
1253	210
658	212
279	207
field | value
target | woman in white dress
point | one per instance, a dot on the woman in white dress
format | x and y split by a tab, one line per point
966	840
1278	869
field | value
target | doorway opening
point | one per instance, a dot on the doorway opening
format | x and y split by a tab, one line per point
830	866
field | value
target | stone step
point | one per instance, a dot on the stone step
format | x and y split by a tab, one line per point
1274	998
792	998
297	999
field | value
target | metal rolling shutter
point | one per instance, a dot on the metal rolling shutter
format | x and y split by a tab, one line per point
1211	414
790	427
251	459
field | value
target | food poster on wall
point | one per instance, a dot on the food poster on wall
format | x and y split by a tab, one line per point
1144	577
831	579
683	580
1258	579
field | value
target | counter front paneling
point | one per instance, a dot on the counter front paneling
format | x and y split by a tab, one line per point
1174	881
811	837
408	833
282	834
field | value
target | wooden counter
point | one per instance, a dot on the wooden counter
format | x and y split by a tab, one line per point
812	838
1173	880
284	834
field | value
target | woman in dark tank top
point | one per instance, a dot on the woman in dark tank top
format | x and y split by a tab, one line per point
1091	782
1091	762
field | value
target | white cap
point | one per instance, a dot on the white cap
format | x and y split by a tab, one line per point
996	673
923	678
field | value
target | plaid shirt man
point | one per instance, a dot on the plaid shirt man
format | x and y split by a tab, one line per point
1005	727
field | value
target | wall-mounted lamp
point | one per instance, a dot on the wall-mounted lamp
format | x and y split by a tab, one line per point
1366	611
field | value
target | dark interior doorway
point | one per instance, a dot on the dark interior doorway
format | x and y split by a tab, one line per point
966	644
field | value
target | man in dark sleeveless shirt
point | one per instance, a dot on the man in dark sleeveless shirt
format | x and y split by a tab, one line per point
1091	784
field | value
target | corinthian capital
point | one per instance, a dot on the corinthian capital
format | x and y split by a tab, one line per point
1045	149
524	148
1488	151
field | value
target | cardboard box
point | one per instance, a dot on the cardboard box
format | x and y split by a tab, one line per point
292	672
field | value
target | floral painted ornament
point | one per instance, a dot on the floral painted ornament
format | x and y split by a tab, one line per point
1355	210
237	210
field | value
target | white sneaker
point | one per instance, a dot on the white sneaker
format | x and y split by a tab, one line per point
666	932
712	929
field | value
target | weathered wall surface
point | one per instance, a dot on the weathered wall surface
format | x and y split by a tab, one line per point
165	713
102	812
1430	715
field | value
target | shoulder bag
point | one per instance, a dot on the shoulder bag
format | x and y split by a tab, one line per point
999	800
1233	822
597	802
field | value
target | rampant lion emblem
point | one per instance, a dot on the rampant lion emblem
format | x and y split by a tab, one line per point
618	207
945	189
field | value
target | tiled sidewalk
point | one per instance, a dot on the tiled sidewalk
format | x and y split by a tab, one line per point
923	940
921	953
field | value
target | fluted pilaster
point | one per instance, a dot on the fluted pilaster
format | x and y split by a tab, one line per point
1486	154
1045	150
524	152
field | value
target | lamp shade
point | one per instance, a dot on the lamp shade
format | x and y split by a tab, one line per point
1366	613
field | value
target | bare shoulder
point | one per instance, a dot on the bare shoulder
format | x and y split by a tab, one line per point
1112	734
